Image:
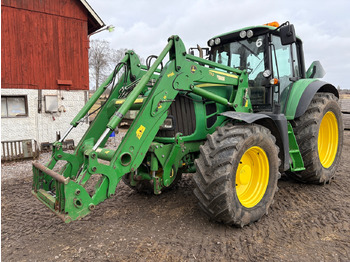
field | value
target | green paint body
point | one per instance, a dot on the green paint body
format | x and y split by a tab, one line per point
143	153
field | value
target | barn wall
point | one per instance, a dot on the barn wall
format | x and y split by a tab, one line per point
45	46
42	127
63	8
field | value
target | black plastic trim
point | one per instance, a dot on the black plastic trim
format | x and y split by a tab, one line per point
279	123
310	91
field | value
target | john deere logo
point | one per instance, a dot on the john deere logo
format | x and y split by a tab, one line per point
193	69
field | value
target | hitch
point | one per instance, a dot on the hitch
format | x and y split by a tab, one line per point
61	195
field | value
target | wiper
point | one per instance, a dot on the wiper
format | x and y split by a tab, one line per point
256	67
249	50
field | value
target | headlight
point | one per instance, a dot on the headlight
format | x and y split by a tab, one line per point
168	123
243	34
267	73
211	42
249	33
217	41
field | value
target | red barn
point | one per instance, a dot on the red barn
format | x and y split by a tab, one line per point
44	65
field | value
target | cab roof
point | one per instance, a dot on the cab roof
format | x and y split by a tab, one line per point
257	30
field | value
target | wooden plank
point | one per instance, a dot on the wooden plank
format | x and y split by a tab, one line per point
345	108
38	48
345	105
346	121
5	54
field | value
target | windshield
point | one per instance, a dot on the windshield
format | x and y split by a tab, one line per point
248	54
244	54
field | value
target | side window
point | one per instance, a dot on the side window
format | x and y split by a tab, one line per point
282	67
285	65
14	106
281	59
235	60
222	58
297	68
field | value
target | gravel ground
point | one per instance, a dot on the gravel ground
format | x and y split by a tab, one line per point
306	223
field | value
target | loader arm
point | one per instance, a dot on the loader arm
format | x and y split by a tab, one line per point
66	192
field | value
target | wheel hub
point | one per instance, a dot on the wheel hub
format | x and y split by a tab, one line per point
252	176
328	139
245	175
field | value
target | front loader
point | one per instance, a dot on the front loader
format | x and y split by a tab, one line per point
237	120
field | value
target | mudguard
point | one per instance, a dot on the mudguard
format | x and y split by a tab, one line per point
276	123
302	93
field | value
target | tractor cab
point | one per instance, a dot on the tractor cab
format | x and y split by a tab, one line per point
270	54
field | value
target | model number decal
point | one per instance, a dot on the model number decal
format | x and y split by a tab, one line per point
221	78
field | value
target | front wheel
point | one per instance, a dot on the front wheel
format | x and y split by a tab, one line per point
237	174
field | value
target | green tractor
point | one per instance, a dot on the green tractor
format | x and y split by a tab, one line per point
237	119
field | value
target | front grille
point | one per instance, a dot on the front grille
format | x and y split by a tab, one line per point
182	111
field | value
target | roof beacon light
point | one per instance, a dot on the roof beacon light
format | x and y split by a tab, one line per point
274	24
243	34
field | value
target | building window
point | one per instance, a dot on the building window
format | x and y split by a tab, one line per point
51	104
14	106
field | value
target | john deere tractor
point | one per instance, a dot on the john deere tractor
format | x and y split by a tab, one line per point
237	116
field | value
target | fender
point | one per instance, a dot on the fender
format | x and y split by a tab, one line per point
276	123
302	93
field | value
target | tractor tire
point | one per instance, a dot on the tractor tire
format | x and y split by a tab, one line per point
146	186
319	134
237	174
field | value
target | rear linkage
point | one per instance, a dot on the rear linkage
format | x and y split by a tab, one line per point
67	192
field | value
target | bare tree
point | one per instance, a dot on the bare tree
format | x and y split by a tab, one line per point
118	55
102	60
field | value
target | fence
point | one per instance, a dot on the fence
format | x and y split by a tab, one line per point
345	108
19	149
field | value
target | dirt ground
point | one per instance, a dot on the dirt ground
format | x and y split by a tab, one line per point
305	223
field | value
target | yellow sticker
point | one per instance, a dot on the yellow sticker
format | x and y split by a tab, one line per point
139	100
246	103
119	102
139	131
106	152
211	72
171	74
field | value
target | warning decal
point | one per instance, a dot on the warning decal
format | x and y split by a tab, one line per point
139	131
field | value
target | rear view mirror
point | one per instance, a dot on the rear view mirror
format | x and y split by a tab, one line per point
287	33
315	70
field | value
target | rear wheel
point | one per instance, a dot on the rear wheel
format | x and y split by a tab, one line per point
319	133
237	174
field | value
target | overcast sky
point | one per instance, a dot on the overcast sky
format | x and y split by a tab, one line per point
145	25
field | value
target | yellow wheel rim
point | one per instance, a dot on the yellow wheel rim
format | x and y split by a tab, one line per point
252	176
328	139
